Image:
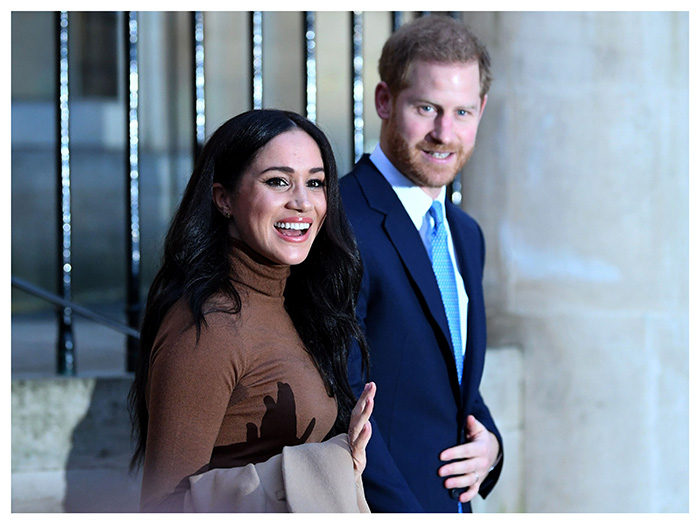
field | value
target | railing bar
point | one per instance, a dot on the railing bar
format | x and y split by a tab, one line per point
78	310
257	58
133	233
357	85
310	61
199	100
66	362
454	188
396	20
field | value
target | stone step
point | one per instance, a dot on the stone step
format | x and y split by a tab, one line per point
71	440
71	445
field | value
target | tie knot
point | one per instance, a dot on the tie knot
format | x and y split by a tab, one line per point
436	213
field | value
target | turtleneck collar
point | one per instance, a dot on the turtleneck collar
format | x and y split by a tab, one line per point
256	272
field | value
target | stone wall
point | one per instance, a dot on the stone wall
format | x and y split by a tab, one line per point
71	446
580	181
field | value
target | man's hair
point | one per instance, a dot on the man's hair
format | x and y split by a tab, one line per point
432	38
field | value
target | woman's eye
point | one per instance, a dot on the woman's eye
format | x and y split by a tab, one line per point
276	182
316	183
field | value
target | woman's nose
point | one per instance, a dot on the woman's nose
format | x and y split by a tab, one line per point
299	199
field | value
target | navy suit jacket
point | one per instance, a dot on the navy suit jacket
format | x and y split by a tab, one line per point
420	409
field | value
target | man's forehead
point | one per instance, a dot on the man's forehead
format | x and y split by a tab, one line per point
455	77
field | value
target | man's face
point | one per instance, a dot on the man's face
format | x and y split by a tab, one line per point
429	128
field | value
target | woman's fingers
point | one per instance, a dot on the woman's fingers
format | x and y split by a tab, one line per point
360	429
364	436
362	410
359	455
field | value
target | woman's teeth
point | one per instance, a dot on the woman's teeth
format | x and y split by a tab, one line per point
300	226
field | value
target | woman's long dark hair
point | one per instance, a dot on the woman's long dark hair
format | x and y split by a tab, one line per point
320	294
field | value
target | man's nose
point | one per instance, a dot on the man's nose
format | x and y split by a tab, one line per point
442	129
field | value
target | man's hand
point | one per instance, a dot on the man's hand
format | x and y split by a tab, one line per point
472	461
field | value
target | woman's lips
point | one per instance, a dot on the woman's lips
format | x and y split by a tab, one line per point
294	228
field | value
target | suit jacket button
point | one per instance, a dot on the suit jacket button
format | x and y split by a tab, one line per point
456	492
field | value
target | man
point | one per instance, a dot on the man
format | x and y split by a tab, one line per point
434	444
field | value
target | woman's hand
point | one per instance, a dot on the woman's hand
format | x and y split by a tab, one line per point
360	429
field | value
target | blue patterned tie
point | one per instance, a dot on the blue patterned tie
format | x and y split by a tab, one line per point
445	275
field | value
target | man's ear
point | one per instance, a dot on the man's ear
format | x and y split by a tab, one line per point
383	100
483	106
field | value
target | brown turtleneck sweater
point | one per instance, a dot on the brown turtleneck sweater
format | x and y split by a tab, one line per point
240	394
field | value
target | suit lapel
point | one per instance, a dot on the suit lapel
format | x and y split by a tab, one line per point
460	249
471	279
413	254
461	255
405	238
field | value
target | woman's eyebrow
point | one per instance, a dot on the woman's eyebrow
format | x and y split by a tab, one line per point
284	169
288	169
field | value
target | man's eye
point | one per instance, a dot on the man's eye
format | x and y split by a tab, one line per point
426	109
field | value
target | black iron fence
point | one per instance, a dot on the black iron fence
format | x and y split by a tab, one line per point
62	300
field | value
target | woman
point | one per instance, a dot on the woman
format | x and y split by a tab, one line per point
248	323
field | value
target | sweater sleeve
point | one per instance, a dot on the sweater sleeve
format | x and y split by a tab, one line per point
189	388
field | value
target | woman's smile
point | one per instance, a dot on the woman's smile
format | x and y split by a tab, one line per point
294	229
280	203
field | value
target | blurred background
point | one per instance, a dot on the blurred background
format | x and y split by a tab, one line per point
580	181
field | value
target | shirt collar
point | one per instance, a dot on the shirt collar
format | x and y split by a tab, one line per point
414	199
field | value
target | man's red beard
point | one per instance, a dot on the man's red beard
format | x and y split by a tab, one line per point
408	160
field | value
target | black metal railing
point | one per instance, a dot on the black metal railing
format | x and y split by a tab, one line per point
358	120
198	81
62	303
66	358
310	65
133	225
66	341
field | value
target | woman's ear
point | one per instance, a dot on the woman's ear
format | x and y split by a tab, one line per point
220	197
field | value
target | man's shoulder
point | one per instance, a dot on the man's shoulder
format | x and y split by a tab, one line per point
454	212
359	183
460	221
362	168
350	189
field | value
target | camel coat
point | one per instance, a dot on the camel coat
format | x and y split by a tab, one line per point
308	478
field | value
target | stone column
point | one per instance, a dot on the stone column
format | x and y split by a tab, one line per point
580	181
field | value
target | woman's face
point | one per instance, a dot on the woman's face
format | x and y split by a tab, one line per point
280	203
